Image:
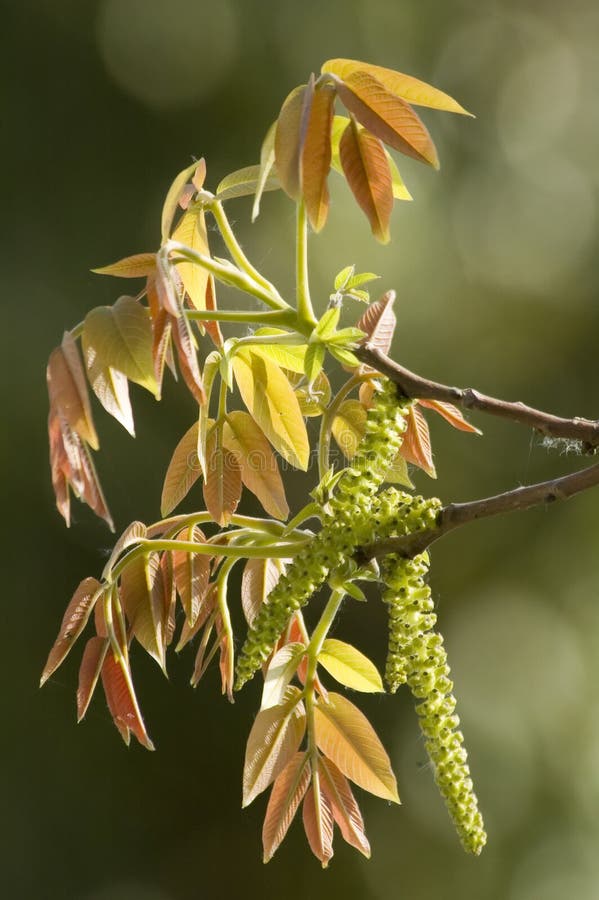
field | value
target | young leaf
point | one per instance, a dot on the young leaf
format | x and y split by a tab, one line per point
340	123
137	266
121	337
196	171
188	361
92	661
313	362
328	323
169	287
288	356
316	156
74	621
451	414
270	399
367	172
397	473
258	579
169	593
275	736
286	795
244	182
314	398
183	471
222	487
68	389
387	116
318	822
191	231
345	735
405	86
267	160
189	632
416	446
350	667
134	532
142	592
122	702
348	426
191	573
346	811
112	390
343	278
259	468
281	669
378	322
290	136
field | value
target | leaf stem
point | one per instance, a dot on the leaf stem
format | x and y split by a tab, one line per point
305	311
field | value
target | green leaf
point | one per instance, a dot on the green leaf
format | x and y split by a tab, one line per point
328	323
348	426
362	278
313	362
347	337
345	357
270	399
244	182
267	160
343	277
191	231
350	667
120	336
174	193
345	735
362	296
397	473
287	356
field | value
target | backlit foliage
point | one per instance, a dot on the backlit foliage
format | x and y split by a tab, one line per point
166	584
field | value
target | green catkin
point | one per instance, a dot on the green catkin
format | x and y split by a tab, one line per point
342	531
417	656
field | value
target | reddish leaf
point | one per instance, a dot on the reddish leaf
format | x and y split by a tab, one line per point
290	136
222	488
259	468
378	322
188	632
112	390
451	414
226	658
74	621
286	795
67	388
197	172
318	822
316	156
144	601
92	661
122	702
346	811
212	328
405	86
202	661
132	535
170	597
345	735
130	267
275	736
416	446
258	579
387	116
161	335
188	360
169	292
367	172
191	573
183	471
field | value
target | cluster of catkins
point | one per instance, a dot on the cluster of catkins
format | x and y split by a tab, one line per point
357	514
417	656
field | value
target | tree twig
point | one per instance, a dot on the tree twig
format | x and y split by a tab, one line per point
584	430
455	514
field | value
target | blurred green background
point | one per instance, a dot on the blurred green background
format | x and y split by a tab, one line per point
495	265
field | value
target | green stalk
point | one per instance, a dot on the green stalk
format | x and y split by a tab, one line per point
305	311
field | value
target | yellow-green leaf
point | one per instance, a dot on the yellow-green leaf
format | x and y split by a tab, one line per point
350	667
367	172
271	401
267	161
259	467
140	265
287	356
197	172
345	735
121	337
191	231
244	182
348	426
405	86
289	138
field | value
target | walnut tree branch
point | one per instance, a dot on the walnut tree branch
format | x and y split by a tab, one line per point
455	514
584	430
